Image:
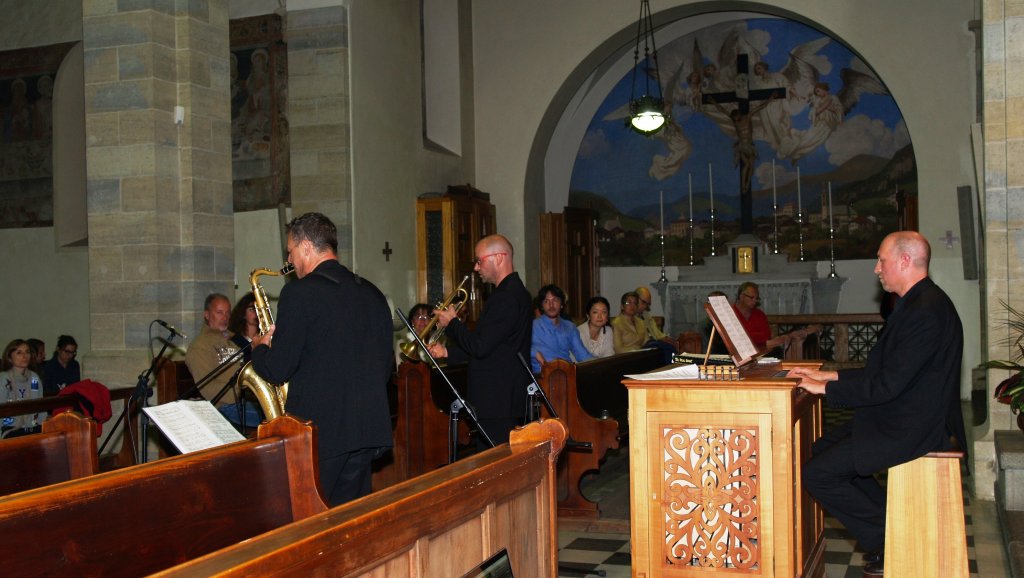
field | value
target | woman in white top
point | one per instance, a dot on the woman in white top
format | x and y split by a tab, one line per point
18	382
596	332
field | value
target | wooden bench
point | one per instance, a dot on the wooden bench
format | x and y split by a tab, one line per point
149	517
65	450
443	523
123	458
924	518
591	399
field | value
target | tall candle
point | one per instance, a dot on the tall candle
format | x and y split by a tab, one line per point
775	201
711	188
690	175
661	201
799	204
830	206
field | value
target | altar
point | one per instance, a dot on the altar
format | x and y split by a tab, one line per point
715	476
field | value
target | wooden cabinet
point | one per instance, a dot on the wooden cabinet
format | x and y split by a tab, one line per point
569	257
715	478
448	227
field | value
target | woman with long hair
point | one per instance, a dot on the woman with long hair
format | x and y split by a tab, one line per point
596	333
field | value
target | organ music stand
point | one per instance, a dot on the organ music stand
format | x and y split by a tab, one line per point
457	406
725	322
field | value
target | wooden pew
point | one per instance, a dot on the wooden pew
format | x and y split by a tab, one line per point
65	450
421	422
591	399
152	516
443	523
123	458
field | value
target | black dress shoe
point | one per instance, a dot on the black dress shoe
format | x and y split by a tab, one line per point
873	556
874	569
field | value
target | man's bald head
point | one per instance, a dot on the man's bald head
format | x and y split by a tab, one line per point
903	260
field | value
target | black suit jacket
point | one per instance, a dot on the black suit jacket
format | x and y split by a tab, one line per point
908	394
333	345
497	379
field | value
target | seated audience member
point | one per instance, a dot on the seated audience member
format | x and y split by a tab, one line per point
244	324
62	369
629	331
554	335
751	317
595	332
655	337
38	348
19	382
211	348
419	318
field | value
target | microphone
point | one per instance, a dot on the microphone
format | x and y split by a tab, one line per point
171	328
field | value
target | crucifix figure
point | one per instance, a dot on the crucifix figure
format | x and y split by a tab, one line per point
744	151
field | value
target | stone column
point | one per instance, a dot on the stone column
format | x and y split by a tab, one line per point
159	192
1003	207
318	118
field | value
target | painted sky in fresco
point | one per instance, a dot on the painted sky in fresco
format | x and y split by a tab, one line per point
615	162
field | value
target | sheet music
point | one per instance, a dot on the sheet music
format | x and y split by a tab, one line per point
676	372
732	326
193	425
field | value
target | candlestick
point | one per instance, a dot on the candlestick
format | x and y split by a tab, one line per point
775	214
690	178
831	236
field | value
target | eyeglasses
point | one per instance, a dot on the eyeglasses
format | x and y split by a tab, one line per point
480	260
645	302
422	317
70	352
753	298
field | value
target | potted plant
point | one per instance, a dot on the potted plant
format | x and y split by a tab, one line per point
1011	389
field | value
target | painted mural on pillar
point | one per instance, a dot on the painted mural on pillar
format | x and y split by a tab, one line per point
259	123
755	103
26	134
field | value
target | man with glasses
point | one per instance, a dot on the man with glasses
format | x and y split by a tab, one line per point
751	317
497	379
655	336
212	347
62	369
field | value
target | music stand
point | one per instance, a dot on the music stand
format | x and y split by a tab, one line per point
457	406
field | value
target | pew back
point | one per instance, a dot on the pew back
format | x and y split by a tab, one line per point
152	516
65	450
443	523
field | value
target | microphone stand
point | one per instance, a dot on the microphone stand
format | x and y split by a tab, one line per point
457	406
140	396
534	391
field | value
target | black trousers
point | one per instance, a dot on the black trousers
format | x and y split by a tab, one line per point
346	477
857	501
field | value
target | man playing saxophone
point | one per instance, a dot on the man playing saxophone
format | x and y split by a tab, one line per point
332	344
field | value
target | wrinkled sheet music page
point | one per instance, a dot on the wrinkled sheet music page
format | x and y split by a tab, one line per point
193	425
732	326
677	372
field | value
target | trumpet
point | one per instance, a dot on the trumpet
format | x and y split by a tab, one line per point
459	297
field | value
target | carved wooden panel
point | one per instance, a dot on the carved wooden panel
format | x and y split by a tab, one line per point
710	491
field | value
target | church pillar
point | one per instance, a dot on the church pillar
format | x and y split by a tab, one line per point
318	118
1003	207
159	184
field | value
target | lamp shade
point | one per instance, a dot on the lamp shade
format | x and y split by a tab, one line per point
645	114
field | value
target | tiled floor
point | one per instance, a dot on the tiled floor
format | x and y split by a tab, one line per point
603	545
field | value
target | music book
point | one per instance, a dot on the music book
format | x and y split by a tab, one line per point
193	425
728	325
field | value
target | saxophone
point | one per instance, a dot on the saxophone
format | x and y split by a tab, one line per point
271	397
